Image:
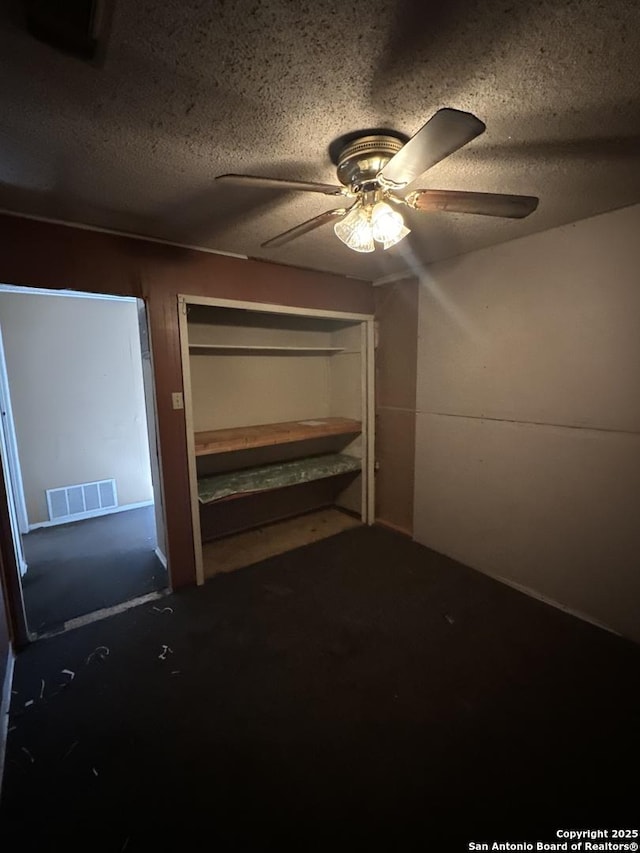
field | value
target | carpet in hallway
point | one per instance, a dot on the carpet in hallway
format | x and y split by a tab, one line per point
77	568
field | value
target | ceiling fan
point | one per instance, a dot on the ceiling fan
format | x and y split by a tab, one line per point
375	172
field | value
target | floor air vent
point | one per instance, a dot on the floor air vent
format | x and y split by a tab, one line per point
71	501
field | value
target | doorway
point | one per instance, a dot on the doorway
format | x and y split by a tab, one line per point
79	454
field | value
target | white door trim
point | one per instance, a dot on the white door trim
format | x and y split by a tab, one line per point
13	460
74	294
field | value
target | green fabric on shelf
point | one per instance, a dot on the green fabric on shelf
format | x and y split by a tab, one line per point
275	476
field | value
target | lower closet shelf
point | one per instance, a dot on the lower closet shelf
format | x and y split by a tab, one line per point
268	477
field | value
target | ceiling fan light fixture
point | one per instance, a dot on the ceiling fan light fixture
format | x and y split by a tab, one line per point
387	244
387	225
355	230
380	167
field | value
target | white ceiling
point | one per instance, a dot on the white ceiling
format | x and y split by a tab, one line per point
191	89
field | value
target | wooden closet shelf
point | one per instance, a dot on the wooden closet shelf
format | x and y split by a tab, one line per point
266	435
257	348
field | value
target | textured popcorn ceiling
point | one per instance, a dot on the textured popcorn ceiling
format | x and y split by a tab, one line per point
189	90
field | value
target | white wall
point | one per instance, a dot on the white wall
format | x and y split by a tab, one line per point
75	377
528	424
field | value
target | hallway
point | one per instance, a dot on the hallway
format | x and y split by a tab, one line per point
77	568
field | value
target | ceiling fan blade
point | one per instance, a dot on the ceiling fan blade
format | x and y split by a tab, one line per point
445	132
281	184
484	204
304	227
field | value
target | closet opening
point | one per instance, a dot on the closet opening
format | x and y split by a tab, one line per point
79	455
279	417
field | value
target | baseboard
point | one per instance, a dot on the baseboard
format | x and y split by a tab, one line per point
5	704
161	557
395	527
94	513
532	593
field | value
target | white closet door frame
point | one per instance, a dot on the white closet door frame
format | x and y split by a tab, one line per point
368	420
367	386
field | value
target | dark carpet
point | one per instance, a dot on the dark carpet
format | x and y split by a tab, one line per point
77	568
359	693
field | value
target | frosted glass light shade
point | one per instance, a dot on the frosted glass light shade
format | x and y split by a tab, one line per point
387	225
355	230
402	234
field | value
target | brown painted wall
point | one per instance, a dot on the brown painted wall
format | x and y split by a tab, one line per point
396	308
44	255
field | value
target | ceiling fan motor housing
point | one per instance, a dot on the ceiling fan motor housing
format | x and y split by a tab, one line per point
361	160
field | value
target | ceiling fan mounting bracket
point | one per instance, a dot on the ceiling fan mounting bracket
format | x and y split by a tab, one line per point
362	160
